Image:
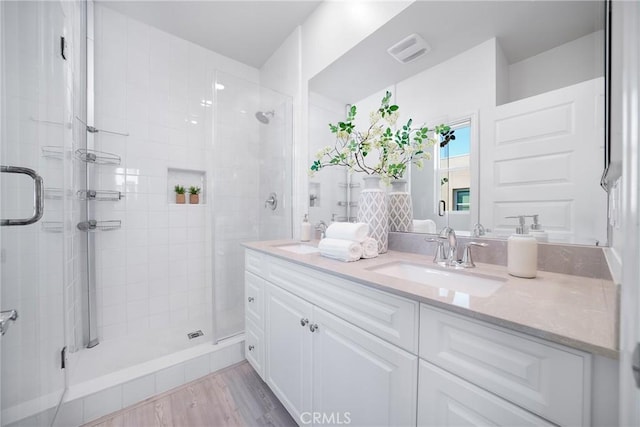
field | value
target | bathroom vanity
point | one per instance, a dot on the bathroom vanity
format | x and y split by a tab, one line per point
367	342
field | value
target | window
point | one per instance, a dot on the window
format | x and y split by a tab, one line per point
461	199
453	164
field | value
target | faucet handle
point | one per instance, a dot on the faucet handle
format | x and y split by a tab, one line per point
439	257
467	260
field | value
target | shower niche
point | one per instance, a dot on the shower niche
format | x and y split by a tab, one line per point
186	178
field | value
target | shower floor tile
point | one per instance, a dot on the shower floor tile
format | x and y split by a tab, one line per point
113	355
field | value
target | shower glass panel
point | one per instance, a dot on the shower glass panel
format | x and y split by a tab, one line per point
37	134
252	187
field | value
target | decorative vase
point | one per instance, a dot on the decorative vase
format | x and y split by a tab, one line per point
180	199
400	207
194	199
372	209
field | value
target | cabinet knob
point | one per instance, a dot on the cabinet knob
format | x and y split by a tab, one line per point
304	322
251	299
251	348
313	327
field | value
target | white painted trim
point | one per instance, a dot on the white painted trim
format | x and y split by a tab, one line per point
629	63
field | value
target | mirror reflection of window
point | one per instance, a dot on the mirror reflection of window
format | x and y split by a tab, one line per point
453	163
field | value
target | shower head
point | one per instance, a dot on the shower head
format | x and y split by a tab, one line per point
264	117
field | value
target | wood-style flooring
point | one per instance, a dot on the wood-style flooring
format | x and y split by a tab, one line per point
234	396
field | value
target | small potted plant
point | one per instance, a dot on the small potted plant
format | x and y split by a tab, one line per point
180	197
194	195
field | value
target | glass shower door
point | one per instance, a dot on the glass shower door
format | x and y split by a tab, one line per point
33	135
252	187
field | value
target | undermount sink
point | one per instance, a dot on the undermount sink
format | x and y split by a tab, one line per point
298	248
457	281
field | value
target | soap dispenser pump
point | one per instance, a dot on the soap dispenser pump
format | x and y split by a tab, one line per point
305	229
537	231
522	251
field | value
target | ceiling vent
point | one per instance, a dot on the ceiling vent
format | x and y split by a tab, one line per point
409	49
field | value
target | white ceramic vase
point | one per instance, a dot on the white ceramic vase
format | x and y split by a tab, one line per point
400	207
372	209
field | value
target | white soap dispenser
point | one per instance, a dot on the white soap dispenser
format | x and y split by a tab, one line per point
305	229
537	231
522	252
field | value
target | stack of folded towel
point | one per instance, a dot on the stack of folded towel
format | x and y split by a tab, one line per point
348	242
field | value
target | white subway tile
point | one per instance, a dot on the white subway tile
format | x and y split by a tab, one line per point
102	403
196	368
138	390
169	378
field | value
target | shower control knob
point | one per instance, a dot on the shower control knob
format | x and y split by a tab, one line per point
250	299
251	348
313	327
304	322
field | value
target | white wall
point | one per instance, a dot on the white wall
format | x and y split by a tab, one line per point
449	91
156	270
573	62
337	26
332	29
282	73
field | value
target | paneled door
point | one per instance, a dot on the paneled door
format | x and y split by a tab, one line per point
358	378
35	126
289	362
544	155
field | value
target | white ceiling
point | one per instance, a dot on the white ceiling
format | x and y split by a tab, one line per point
523	29
247	31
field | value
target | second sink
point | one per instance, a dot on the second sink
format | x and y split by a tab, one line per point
471	284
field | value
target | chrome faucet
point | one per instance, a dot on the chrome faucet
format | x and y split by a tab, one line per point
449	235
322	228
478	230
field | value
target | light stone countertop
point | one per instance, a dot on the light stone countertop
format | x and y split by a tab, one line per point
574	311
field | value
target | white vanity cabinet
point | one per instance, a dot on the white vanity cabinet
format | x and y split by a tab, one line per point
318	363
254	320
551	381
331	347
445	400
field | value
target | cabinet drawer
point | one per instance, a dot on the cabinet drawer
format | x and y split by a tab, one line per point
253	262
392	318
446	400
254	298
550	381
254	347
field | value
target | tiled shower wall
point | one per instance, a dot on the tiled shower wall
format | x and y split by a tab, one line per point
155	270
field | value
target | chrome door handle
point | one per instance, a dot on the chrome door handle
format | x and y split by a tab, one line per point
304	322
38	196
251	348
313	327
6	317
250	299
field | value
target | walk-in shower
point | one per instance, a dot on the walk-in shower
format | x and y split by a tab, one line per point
114	259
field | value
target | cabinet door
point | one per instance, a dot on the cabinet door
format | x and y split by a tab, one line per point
288	358
358	378
254	298
254	346
447	400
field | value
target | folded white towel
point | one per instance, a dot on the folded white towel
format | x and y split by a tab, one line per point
370	248
424	226
356	231
343	250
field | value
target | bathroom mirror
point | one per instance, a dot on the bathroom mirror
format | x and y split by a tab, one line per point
526	99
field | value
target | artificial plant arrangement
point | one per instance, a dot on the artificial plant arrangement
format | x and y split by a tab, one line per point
395	149
194	195
180	197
